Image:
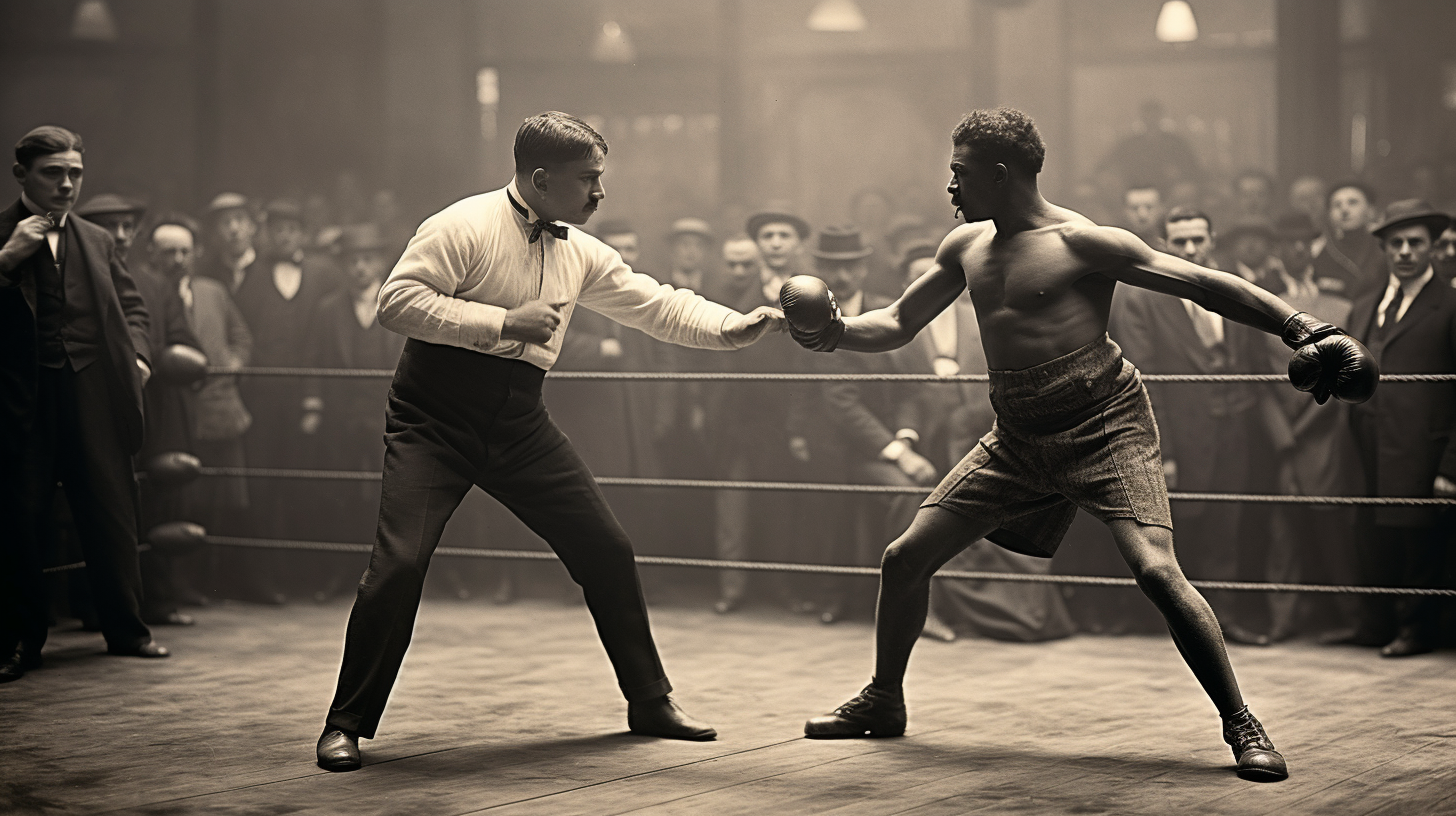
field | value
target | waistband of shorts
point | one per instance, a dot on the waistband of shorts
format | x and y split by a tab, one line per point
1088	362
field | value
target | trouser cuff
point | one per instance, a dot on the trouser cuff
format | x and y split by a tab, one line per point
651	691
353	723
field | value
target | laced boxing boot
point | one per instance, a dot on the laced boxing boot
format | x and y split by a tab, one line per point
873	712
1258	761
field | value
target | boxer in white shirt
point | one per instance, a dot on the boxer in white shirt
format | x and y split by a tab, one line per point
484	292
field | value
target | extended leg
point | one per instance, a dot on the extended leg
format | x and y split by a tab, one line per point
934	538
1148	551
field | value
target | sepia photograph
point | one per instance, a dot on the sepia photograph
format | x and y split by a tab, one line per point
709	407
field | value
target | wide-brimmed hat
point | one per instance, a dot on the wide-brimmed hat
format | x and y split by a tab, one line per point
1409	212
1250	225
841	244
759	220
360	238
110	204
690	226
1295	226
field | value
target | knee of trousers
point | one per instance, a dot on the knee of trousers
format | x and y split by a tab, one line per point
609	559
394	576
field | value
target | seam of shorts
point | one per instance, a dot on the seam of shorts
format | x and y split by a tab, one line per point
1117	468
955	484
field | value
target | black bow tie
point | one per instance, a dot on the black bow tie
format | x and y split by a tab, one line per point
558	231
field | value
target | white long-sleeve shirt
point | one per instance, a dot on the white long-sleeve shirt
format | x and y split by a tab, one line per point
470	262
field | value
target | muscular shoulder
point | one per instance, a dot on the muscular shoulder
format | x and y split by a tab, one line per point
1102	244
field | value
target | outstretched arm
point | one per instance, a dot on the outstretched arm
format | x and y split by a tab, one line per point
1122	256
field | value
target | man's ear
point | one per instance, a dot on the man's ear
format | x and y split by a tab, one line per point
1002	175
18	170
540	180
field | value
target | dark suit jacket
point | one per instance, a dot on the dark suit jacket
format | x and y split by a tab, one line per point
123	319
168	422
1405	432
954	416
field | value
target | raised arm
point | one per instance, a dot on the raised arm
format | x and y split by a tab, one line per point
1124	257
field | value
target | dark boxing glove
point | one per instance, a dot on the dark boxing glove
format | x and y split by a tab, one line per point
812	313
1328	362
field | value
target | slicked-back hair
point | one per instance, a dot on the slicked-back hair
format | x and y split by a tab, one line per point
1186	214
176	219
44	141
1002	136
552	138
1353	184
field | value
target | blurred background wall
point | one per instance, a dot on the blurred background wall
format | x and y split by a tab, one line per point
714	108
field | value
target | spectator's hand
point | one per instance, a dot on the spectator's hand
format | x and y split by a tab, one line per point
1170	473
917	467
146	370
24	241
611	348
745	330
532	322
311	422
1444	488
799	448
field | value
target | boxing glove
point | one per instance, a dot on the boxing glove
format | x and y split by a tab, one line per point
811	312
1327	362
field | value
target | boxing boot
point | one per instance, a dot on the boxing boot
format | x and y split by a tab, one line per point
873	712
1258	761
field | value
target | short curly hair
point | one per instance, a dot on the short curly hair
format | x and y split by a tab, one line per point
1004	135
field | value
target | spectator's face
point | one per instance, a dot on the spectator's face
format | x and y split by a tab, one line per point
53	181
777	243
688	252
1191	240
122	227
626	245
365	268
1444	253
740	258
1294	253
172	251
1143	208
1349	209
1408	249
572	190
845	278
286	236
1252	249
917	269
1253	196
235	230
1307	195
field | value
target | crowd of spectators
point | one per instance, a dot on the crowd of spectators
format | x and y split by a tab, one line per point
285	283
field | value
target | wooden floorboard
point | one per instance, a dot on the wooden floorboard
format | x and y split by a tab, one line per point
513	710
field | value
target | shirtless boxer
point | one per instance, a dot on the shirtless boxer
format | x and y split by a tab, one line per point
1074	427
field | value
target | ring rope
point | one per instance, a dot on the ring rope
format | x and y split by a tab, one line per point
818	487
826	569
384	373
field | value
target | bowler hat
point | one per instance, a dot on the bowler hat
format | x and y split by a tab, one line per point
110	204
1295	226
361	238
841	244
1410	212
759	220
691	226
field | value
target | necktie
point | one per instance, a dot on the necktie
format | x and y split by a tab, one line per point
1392	312
557	231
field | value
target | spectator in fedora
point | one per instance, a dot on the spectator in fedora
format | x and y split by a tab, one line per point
780	236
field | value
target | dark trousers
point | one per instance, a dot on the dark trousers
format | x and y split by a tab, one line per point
75	442
1402	557
457	418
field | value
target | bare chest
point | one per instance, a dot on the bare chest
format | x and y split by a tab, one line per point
1024	273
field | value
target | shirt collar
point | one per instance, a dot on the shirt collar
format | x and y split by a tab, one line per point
1412	288
31	205
243	261
515	196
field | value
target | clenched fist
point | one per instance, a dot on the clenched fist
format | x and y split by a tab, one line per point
532	322
24	241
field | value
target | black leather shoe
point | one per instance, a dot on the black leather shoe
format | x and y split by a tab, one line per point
661	717
173	618
1407	643
1234	633
873	712
1258	761
338	750
148	649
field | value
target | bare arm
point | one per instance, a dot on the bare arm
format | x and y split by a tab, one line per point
897	324
1122	256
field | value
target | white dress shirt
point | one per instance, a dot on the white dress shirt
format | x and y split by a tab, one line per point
1412	288
53	235
287	278
471	262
